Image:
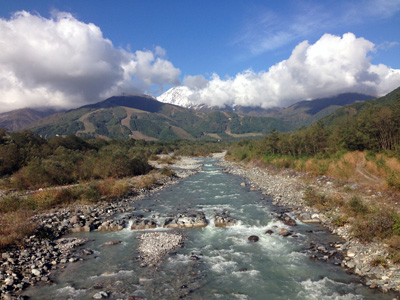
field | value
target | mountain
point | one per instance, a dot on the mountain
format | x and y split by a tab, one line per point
302	113
143	117
305	113
391	99
21	118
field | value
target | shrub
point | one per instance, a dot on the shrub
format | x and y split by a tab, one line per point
9	203
168	172
91	193
313	198
377	224
394	248
379	261
357	206
113	189
393	180
146	182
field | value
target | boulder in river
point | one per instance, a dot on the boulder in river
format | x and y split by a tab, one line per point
253	238
186	220
223	219
287	220
140	224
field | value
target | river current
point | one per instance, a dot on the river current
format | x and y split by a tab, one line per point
227	265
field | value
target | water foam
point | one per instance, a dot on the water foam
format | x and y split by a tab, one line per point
324	289
70	291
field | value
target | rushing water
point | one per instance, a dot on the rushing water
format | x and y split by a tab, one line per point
230	267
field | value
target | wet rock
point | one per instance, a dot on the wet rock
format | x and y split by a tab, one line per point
287	220
223	219
253	238
112	243
186	220
140	224
100	295
269	231
112	225
243	184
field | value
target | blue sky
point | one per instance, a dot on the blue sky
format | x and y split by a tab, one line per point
214	40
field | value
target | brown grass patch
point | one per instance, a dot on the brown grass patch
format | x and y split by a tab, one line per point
15	226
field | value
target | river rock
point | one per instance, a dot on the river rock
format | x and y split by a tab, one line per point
253	238
112	243
186	220
100	295
112	225
140	224
223	219
288	221
269	231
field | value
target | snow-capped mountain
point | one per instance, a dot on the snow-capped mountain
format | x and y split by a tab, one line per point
178	95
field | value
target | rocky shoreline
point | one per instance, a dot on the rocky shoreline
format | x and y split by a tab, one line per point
287	188
47	250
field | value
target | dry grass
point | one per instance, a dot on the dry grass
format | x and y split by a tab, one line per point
14	226
146	181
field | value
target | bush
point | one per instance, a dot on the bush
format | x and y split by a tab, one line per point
357	206
393	180
313	198
112	189
146	182
168	172
375	225
379	261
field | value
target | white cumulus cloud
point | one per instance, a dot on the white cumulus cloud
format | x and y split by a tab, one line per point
332	65
62	62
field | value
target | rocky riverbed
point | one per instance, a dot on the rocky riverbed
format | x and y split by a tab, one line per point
287	188
48	250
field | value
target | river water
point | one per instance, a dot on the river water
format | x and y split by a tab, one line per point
229	266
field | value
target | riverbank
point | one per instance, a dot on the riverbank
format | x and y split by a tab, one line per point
288	188
47	250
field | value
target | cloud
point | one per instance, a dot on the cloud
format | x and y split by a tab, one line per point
62	62
330	66
195	82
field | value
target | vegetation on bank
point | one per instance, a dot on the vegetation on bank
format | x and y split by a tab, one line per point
38	174
363	148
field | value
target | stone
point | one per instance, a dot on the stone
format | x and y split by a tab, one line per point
186	220
100	295
36	272
223	219
253	238
9	281
243	184
351	253
140	224
288	221
269	231
112	243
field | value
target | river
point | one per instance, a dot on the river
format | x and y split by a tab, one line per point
227	265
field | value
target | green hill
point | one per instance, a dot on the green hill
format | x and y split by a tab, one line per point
352	110
143	117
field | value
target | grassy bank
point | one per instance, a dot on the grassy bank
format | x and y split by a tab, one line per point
364	197
17	208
